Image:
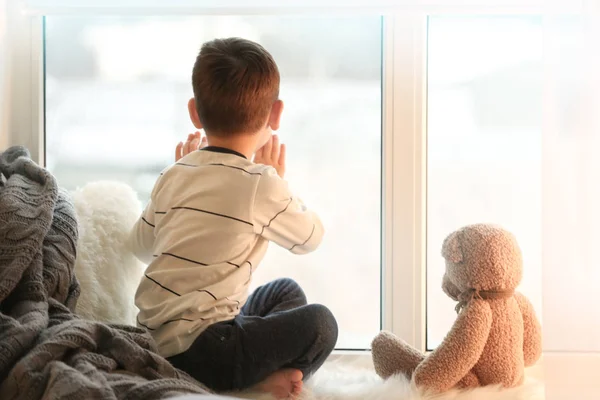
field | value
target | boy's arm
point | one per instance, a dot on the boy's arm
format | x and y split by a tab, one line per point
141	238
280	217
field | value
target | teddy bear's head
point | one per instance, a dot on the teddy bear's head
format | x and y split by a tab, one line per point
481	257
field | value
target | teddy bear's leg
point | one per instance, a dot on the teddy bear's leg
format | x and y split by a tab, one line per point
392	355
468	381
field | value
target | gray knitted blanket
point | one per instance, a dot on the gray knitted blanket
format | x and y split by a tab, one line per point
47	352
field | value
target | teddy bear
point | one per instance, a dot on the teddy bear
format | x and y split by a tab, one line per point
496	333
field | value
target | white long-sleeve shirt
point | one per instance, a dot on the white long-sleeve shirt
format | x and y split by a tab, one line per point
204	231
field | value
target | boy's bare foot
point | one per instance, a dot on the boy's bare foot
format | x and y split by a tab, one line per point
283	384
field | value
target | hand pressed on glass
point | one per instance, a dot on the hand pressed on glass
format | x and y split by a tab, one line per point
273	154
194	142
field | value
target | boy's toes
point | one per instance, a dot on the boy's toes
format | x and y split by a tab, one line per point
297	388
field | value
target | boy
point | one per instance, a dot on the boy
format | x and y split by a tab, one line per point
207	227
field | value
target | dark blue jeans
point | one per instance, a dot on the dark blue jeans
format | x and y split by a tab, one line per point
275	329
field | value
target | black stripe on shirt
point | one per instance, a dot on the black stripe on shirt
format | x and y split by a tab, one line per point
181	319
236	265
276	215
234	167
206	291
145	326
168	322
220	165
198	262
212	213
146	221
306	241
250	273
162	286
160	212
177	294
183	258
237	301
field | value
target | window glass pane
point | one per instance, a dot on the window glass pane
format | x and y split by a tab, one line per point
116	105
484	143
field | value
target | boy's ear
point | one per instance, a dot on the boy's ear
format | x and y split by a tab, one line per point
275	117
194	113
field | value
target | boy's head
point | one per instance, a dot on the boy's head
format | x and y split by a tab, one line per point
236	89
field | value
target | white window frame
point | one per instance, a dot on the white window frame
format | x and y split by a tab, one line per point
404	177
25	114
404	152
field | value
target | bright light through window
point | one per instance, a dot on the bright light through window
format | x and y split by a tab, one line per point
484	143
116	94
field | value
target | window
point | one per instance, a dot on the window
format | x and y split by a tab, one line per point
484	143
116	105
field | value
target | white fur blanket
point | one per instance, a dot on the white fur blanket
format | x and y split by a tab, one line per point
346	381
107	272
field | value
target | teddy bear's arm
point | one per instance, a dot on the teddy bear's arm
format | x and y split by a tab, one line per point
532	331
460	350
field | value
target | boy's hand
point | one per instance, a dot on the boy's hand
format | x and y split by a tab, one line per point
273	154
193	143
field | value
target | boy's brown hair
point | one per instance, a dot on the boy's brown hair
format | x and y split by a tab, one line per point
235	82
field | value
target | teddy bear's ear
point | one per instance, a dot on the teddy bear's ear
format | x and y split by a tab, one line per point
451	250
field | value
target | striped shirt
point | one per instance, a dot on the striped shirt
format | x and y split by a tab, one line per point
203	233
